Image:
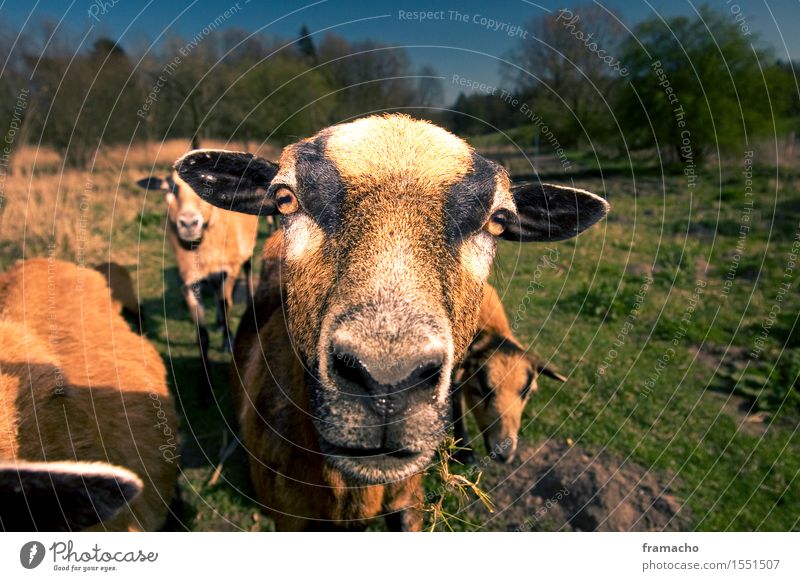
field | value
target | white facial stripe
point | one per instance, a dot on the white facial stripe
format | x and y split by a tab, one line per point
476	255
286	176
502	198
301	237
447	370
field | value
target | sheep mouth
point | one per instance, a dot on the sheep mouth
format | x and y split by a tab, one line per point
190	241
375	465
370	453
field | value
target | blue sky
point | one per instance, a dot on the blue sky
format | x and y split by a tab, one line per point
469	49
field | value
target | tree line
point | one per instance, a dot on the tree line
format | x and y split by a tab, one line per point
230	84
617	89
591	80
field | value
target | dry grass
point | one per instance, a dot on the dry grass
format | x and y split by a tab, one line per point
78	214
71	214
452	489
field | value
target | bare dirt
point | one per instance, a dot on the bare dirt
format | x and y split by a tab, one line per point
554	486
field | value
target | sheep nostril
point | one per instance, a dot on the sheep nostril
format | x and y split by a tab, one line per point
389	387
350	369
188	223
426	375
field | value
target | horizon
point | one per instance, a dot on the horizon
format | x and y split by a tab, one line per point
439	42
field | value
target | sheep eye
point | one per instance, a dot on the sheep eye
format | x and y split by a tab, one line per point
498	222
286	201
528	386
486	392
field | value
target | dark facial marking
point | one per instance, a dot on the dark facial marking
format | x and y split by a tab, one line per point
320	189
497	344
487	393
527	389
469	200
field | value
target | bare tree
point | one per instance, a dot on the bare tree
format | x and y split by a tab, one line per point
373	76
568	65
429	90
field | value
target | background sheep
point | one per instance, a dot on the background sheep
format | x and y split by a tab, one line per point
495	382
77	386
211	248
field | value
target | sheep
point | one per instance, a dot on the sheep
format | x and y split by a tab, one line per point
211	248
389	227
123	292
87	424
494	383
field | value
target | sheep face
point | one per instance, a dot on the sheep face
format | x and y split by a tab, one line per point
389	226
188	214
498	389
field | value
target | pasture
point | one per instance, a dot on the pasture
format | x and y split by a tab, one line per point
674	321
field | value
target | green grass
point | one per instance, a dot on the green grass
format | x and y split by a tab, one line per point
729	476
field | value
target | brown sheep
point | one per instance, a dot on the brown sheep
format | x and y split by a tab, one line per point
211	248
389	228
122	291
80	394
495	382
335	506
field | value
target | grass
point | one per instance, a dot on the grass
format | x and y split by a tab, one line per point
643	384
449	487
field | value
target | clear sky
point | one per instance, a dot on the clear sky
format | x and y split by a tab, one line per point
465	45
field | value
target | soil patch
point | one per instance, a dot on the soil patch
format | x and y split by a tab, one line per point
554	486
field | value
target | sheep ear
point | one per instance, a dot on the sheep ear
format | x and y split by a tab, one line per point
480	343
63	496
550	372
153	183
233	181
546	212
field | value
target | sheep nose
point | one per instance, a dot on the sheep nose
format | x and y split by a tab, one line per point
191	222
387	384
506	457
504	452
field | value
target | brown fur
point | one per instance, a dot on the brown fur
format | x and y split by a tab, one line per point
389	231
496	380
297	487
121	284
76	384
228	242
396	172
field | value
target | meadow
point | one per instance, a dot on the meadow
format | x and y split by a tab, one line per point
674	320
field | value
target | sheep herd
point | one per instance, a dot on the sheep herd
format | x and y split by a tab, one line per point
370	333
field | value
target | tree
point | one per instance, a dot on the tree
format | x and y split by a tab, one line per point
479	114
429	90
86	100
186	80
280	98
15	105
372	76
305	45
567	69
697	82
